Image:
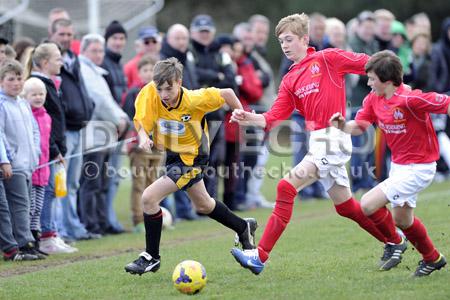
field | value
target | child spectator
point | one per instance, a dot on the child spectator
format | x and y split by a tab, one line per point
34	92
7	242
22	144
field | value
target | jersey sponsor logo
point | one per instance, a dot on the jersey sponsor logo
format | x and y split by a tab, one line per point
185	117
307	89
392	128
171	127
315	69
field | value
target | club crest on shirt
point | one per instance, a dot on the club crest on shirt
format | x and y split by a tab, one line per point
315	69
398	115
185	117
440	98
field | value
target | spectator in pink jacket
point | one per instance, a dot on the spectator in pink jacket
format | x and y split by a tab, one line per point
34	92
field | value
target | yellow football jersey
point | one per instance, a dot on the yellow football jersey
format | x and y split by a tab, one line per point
181	129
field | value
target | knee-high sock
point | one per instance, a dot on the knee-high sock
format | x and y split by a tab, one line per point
153	227
418	236
226	217
352	209
278	220
383	220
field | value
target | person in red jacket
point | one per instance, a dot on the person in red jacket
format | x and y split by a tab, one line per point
149	43
250	90
315	86
403	115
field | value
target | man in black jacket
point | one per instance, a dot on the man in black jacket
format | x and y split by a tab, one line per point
176	44
115	39
214	69
78	109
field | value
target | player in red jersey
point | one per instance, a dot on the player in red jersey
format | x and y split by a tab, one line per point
315	87
404	117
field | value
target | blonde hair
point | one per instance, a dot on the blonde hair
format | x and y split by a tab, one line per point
298	24
33	82
37	55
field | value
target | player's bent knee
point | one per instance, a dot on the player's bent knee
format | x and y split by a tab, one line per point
402	223
149	199
366	207
205	206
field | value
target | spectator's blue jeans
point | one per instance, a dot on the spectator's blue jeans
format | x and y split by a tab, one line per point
362	160
300	140
114	164
47	217
71	224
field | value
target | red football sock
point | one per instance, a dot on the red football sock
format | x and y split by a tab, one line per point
418	236
383	220
352	209
278	220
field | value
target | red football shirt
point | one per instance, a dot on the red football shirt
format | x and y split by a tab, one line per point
406	123
315	87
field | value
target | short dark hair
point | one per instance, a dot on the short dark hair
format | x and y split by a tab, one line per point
146	60
387	66
60	22
10	66
168	70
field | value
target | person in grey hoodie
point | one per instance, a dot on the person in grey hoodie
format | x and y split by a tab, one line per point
108	123
22	143
8	243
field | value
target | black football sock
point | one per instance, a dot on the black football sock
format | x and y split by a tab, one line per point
153	227
226	217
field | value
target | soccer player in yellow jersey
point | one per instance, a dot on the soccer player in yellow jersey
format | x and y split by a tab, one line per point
175	117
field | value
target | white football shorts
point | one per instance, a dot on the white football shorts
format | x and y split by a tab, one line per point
406	181
329	150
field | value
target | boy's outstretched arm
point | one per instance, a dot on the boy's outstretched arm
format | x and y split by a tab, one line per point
352	127
239	114
243	117
230	98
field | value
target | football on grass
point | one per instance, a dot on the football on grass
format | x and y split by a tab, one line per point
189	277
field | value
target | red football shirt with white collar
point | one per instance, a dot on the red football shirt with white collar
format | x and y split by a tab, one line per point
315	87
406	123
